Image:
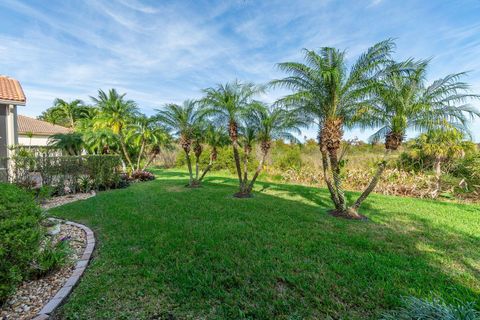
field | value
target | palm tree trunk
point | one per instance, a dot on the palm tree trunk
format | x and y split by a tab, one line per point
152	157
326	178
140	154
233	133
236	156
337	180
245	170
197	159
257	172
438	175
373	183
189	165
207	169
125	152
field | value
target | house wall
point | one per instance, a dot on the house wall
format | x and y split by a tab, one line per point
3	131
36	140
8	135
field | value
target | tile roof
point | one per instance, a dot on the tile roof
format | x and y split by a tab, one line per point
11	91
38	127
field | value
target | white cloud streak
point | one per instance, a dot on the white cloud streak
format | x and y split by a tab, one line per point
168	52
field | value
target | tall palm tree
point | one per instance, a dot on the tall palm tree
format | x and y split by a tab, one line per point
404	101
329	94
226	103
116	112
198	140
215	137
248	137
271	124
183	120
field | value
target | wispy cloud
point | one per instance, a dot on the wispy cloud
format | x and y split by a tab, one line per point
168	51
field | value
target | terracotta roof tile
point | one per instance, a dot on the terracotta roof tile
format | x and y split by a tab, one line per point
11	90
38	127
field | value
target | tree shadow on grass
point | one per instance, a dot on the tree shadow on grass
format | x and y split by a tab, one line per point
276	255
444	249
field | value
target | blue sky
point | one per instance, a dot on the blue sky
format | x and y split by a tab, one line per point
161	52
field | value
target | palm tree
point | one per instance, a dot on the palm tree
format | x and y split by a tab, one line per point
198	139
183	120
215	137
163	141
248	137
101	141
71	111
144	133
329	94
226	103
271	124
71	143
116	113
65	113
402	101
441	145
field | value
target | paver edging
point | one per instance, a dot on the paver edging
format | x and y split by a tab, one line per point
80	267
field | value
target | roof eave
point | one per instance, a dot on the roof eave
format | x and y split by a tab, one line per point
15	103
43	134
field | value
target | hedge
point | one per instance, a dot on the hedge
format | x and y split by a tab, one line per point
66	174
20	236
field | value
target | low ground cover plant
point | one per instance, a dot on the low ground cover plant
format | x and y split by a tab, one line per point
435	309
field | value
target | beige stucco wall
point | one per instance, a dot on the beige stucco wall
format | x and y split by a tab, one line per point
36	140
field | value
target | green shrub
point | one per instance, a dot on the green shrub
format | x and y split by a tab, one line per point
468	167
225	160
287	157
103	170
65	173
20	236
436	309
43	193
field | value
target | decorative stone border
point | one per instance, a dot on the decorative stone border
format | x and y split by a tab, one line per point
80	267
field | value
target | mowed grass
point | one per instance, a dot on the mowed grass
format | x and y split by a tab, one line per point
168	252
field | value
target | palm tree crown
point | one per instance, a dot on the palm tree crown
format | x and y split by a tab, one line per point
273	123
323	87
114	111
403	100
226	103
181	119
329	94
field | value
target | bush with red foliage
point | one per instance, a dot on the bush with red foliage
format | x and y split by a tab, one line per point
142	176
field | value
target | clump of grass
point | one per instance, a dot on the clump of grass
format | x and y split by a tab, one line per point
435	309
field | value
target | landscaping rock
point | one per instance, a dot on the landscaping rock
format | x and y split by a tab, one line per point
33	295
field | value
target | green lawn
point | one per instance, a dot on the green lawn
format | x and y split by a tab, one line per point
168	252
